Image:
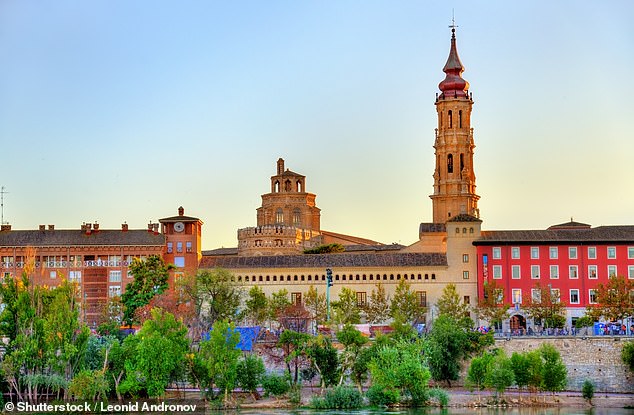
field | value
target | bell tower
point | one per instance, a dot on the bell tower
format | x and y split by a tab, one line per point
454	178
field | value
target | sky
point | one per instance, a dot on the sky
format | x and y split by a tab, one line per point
116	111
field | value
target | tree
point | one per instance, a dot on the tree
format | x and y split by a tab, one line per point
627	354
521	370
545	305
405	306
250	370
535	370
316	304
293	345
150	279
278	303
615	300
500	374
326	249
450	303
377	310
324	359
491	307
160	350
220	356
346	310
587	390
352	341
554	372
256	310
478	370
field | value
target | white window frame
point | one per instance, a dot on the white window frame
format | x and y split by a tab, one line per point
573	272
592	252
555	293
497	270
74	276
53	275
114	291
610	269
534	252
516	295
114	276
465	258
572	252
497	253
515	252
516	273
575	291
465	275
554	275
535	275
592	293
630	272
179	261
553	252
611	252
536	296
596	272
630	252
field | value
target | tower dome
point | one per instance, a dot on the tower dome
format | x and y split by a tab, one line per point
453	86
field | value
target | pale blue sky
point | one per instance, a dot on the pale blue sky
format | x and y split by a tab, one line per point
118	110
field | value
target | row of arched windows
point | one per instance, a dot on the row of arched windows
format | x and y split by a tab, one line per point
288	186
450	119
337	277
297	217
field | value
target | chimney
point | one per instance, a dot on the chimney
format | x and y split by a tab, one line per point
124	227
280	166
96	227
51	227
88	229
181	211
42	227
6	227
150	227
83	227
156	228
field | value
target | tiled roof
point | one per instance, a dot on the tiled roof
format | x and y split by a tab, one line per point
221	251
355	240
326	261
374	248
66	237
623	233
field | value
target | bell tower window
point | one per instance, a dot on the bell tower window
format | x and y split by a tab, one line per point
450	163
276	187
297	217
279	216
450	119
461	162
460	119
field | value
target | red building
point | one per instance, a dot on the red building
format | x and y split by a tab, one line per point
571	258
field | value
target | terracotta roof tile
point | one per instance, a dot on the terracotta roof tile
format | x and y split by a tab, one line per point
69	237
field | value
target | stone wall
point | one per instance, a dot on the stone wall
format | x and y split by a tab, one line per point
594	358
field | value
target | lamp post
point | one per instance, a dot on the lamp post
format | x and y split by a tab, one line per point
328	285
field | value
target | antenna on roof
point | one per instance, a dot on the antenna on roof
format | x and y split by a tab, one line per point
2	193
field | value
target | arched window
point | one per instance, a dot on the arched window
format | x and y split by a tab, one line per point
300	188
279	216
450	163
461	161
460	119
450	119
287	186
277	187
297	217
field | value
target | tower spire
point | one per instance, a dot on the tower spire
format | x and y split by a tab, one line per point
453	85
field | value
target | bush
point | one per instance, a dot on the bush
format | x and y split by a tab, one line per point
275	385
341	397
627	354
441	396
250	372
587	391
382	397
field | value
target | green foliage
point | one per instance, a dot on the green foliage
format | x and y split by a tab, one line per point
326	249
535	369
353	341
220	356
346	310
159	353
293	345
615	301
554	372
377	310
216	295
250	370
324	359
380	396
627	354
257	306
405	306
587	390
448	344
491	307
275	385
315	303
546	306
521	369
400	367
341	397
478	370
500	374
450	304
278	303
441	396
89	385
585	321
150	279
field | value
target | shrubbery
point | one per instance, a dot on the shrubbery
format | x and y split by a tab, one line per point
341	397
275	385
378	396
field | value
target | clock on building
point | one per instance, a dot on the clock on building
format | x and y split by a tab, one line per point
179	226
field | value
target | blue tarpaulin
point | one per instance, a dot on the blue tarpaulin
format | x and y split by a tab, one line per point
248	336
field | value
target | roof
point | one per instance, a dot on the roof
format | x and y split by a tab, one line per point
374	248
355	240
221	251
71	237
288	172
607	234
179	218
326	260
432	227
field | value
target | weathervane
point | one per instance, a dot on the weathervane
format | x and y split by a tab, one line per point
2	193
453	21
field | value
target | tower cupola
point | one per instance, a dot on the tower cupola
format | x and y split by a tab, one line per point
453	86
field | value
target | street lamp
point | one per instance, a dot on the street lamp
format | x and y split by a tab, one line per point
328	285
